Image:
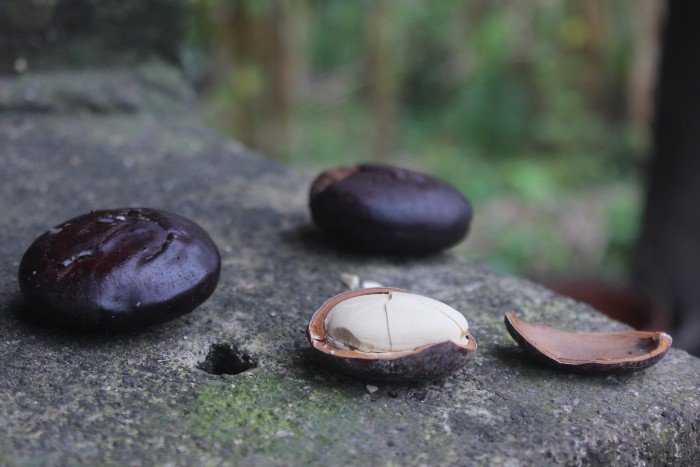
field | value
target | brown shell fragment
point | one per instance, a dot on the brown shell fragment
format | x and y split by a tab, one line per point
589	352
426	362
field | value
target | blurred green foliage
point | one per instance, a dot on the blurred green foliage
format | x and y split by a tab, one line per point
522	105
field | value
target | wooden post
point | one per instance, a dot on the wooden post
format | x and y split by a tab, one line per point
668	260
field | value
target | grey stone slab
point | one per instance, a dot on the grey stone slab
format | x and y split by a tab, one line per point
140	398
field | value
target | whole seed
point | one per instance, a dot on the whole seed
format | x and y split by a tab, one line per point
118	269
383	209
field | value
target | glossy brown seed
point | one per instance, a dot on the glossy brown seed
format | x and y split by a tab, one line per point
589	352
118	269
383	209
430	361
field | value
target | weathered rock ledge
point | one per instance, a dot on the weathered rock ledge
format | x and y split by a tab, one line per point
142	398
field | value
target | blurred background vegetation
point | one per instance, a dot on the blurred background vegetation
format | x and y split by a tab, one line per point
538	111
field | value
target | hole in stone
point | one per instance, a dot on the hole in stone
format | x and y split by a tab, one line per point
226	359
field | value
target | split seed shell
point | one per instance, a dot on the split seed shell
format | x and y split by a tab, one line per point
589	352
351	332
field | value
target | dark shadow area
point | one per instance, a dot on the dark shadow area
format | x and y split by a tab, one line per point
320	374
313	369
312	239
515	358
227	359
21	315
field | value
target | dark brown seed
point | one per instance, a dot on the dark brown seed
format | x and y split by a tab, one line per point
427	362
383	209
118	269
589	352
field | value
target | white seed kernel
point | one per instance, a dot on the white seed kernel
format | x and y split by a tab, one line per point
394	322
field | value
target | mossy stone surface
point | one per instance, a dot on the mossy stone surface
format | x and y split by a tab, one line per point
140	398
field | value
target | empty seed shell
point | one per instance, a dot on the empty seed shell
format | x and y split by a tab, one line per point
589	352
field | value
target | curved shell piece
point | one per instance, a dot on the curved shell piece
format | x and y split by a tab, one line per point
589	352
